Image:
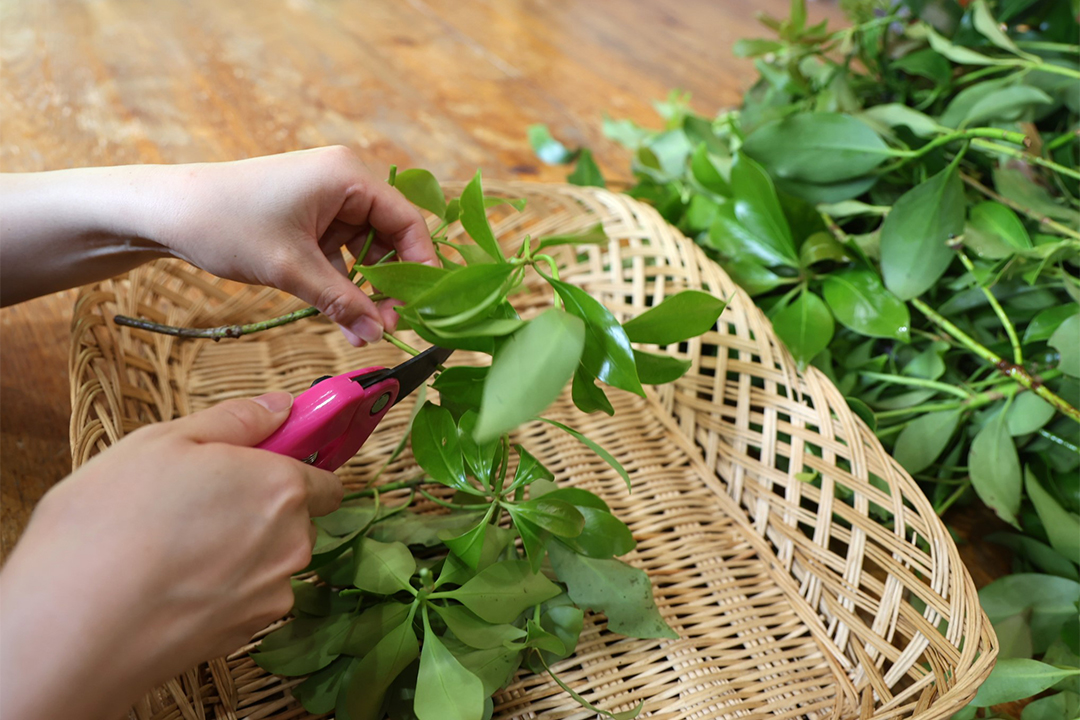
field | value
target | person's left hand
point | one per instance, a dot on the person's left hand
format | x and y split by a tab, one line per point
282	220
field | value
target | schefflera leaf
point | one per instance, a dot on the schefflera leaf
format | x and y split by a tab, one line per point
529	371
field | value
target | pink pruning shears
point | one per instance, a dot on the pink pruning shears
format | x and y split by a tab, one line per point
337	414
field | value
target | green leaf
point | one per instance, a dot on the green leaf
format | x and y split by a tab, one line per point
995	469
445	689
405	281
371	626
474	219
565	622
1000	223
423	190
915	234
805	325
924	439
475	632
529	469
817	147
501	592
548	149
1019	592
925	63
383	568
586	173
896	114
678	317
1028	413
604	454
556	516
593	236
529	371
470	544
1062	527
757	211
586	395
465	295
1053	707
479	457
1006	104
659	369
319	692
412	529
436	446
302	646
989	28
826	192
1043	325
624	132
704	171
603	535
956	53
612	587
755	47
1014	184
361	695
607	354
347	519
461	388
495	666
534	539
859	301
821	246
1066	340
1018	678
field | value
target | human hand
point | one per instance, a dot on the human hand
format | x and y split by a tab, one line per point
282	220
171	548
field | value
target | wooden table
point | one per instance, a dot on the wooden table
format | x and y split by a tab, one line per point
450	85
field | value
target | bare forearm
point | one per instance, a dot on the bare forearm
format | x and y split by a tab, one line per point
70	227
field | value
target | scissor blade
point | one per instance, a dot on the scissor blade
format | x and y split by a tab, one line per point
412	373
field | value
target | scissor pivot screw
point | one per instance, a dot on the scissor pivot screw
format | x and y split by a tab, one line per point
316	381
380	403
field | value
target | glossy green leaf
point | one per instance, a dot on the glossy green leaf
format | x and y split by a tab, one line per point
593	236
479	457
383	568
436	446
303	646
1016	185
529	371
995	469
678	317
540	639
445	689
956	53
1028	413
656	369
924	439
501	592
1066	340
371	626
495	666
805	325
556	516
548	149
603	535
587	396
470	544
466	294
604	454
826	192
474	219
347	519
623	593
1000	223
705	172
1019	592
412	529
405	281
915	235
817	147
1006	104
860	301
422	190
475	632
529	469
990	28
821	247
607	353
893	115
1062	527
586	172
756	208
565	622
534	540
318	694
362	692
925	63
1043	325
461	388
1018	678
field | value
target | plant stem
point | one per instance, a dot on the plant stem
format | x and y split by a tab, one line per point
1050	68
953	497
439	501
1026	157
389	487
1014	371
1063	139
400	344
1006	135
1042	219
1059	440
918	382
215	333
1014	340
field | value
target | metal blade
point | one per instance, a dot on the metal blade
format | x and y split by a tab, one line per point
412	373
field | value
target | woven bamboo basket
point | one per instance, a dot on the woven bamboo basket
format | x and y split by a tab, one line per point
790	600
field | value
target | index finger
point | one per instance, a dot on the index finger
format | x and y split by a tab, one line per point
397	222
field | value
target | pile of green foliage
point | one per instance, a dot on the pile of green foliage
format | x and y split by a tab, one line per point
900	196
425	616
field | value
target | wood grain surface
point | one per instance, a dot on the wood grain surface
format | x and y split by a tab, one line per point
449	85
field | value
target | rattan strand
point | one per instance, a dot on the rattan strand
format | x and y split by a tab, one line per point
790	601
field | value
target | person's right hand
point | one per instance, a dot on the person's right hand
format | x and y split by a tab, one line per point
170	548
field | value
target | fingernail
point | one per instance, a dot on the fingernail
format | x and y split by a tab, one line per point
370	330
352	337
275	402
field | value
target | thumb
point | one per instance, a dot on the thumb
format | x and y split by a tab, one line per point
335	296
238	422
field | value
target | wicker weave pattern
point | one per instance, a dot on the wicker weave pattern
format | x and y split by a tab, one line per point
790	601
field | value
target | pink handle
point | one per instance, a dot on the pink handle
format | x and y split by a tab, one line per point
330	421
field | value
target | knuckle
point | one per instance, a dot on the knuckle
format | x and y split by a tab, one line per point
332	303
291	489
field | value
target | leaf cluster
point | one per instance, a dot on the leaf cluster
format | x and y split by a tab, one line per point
901	197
